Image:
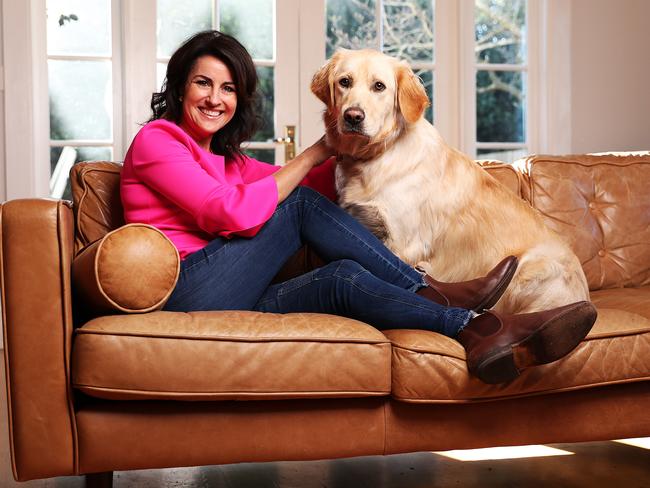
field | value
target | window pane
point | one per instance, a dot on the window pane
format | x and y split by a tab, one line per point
265	155
408	29
500	106
79	27
351	25
179	19
500	31
267	129
505	155
62	159
251	23
81	100
427	80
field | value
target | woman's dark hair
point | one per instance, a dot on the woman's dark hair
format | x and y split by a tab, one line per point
167	104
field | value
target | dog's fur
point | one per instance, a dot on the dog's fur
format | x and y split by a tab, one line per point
429	203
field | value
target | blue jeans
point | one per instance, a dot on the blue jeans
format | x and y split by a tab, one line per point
363	280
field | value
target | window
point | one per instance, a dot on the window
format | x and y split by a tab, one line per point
103	57
81	70
252	23
501	64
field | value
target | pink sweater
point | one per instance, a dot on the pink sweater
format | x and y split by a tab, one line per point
192	195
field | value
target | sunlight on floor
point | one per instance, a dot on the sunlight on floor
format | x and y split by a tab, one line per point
642	442
514	452
519	452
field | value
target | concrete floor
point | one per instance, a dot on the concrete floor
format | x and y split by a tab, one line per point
594	465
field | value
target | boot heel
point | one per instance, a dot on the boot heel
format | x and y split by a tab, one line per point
558	338
498	368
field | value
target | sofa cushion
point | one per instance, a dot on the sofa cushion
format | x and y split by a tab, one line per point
229	355
96	196
431	368
601	205
133	268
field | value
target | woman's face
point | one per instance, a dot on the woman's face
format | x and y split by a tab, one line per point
209	100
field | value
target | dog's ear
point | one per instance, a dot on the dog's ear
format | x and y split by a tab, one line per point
412	99
323	80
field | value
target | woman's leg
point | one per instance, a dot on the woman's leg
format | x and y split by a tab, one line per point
334	235
232	274
346	288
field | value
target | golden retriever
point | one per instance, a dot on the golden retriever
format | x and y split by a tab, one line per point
430	204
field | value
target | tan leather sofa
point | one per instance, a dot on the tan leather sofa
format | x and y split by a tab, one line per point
161	389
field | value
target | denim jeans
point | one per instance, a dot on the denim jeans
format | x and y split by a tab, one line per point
363	280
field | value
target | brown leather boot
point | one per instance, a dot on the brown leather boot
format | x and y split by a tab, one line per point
499	347
478	294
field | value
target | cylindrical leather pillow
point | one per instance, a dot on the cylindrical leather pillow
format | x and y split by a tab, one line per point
132	269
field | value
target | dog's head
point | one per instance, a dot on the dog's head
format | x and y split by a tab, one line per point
369	96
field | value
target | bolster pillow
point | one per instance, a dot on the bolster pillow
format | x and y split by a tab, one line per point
132	269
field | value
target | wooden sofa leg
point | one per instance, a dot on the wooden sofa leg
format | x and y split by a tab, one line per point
100	480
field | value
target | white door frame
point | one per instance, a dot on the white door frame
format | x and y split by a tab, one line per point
312	57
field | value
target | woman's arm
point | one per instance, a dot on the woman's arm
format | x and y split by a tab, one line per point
163	159
292	173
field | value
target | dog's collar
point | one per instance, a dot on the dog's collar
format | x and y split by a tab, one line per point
349	160
346	159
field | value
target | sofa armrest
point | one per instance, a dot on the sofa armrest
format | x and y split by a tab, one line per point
36	246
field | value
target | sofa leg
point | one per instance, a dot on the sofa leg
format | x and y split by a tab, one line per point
100	480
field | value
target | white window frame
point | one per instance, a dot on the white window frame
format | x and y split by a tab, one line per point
114	143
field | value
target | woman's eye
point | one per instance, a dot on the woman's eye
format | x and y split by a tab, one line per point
379	86
202	82
345	82
229	89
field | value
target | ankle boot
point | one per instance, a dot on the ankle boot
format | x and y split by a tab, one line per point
478	294
499	347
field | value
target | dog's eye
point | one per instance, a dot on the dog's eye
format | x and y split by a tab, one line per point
379	86
345	82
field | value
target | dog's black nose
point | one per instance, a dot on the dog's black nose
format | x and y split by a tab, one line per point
354	116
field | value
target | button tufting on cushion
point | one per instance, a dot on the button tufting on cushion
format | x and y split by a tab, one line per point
601	205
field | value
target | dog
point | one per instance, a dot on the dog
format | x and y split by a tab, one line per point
433	206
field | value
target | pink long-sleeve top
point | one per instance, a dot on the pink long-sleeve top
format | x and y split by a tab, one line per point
192	195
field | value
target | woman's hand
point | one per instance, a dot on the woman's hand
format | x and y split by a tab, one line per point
293	172
319	152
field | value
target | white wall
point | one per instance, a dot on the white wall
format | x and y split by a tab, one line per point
610	75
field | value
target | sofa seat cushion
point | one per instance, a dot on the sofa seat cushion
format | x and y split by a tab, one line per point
431	368
636	300
229	355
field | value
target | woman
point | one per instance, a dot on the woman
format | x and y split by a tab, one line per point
236	221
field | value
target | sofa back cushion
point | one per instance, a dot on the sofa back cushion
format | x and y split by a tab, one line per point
506	174
601	205
96	196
